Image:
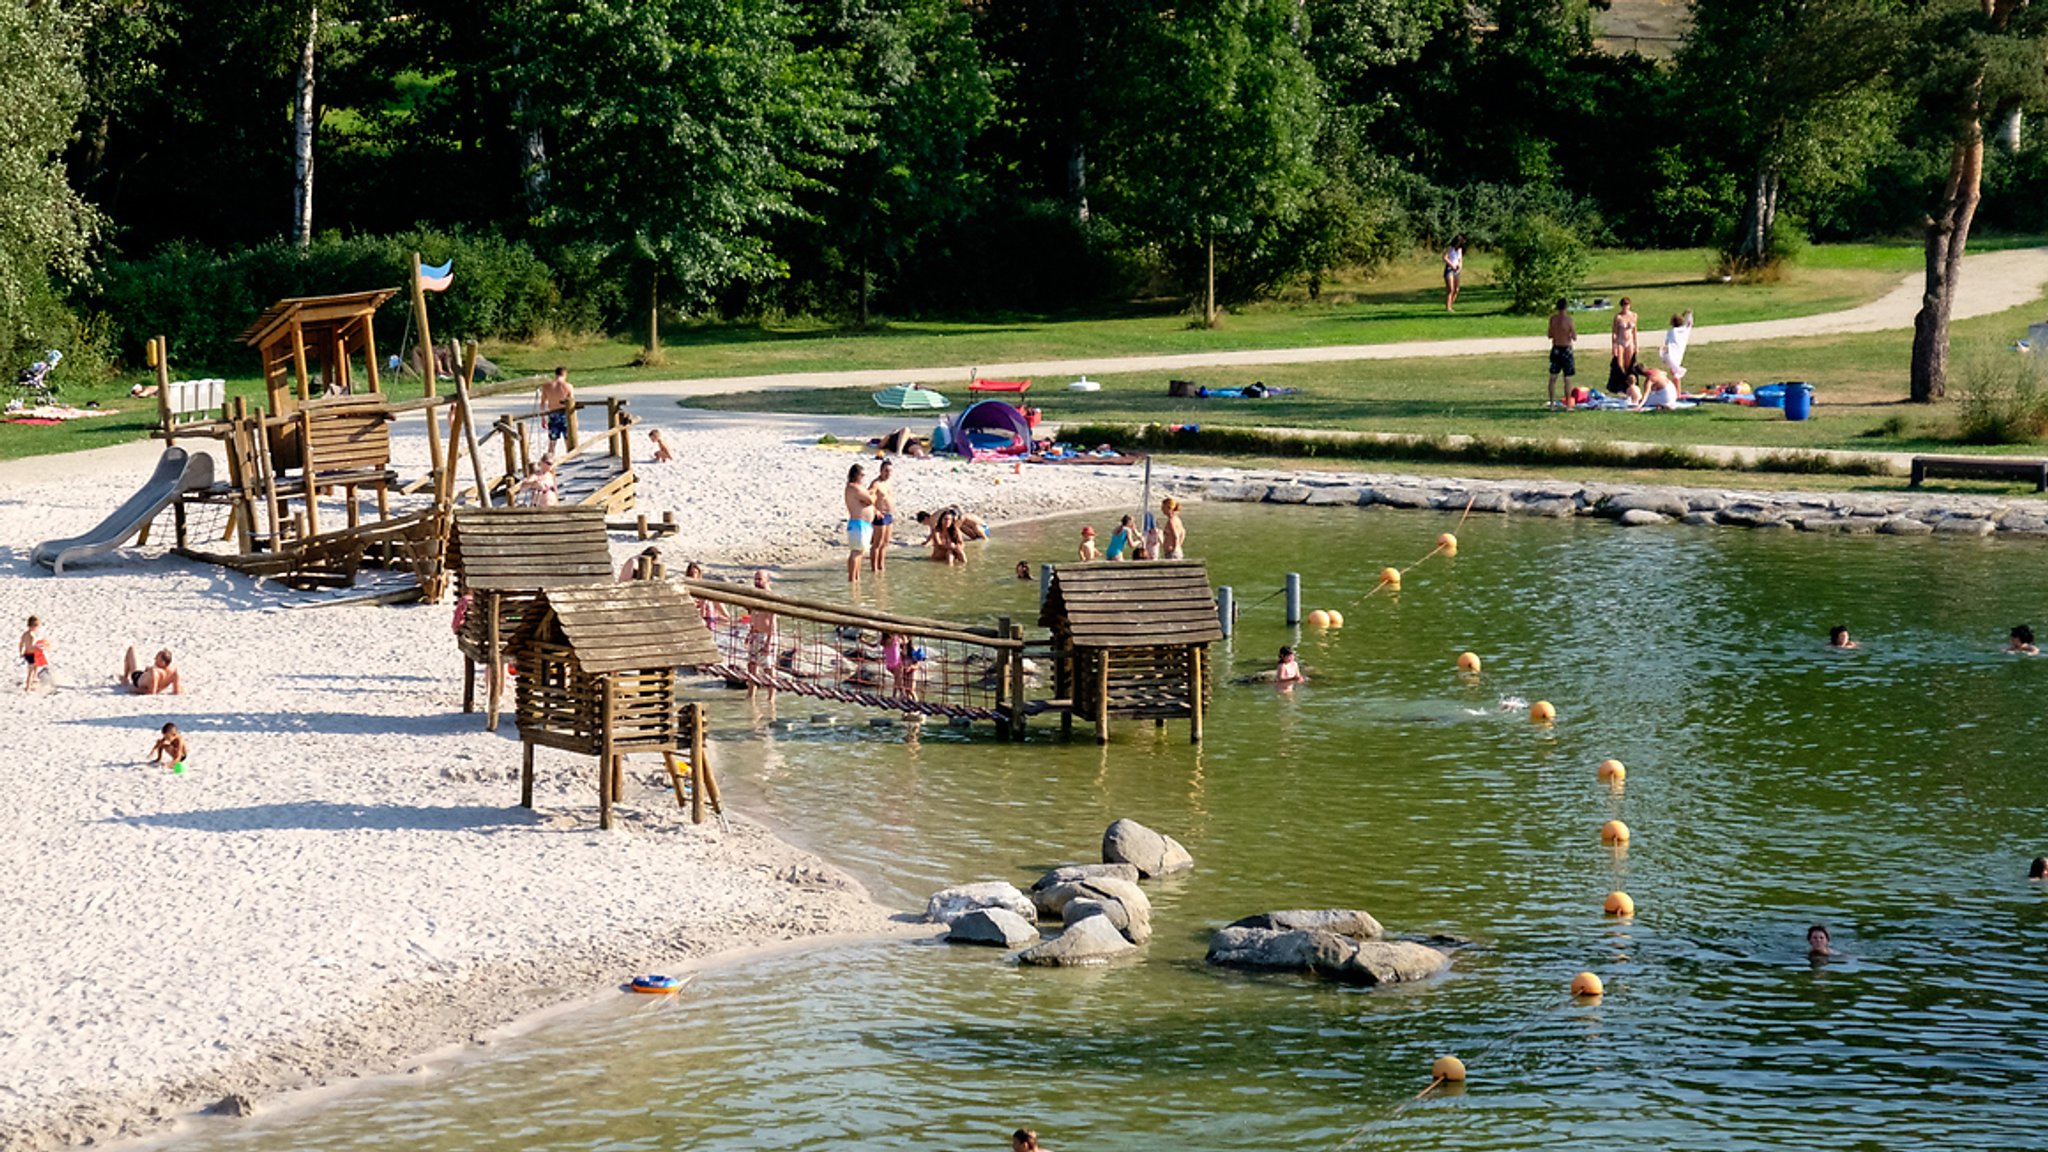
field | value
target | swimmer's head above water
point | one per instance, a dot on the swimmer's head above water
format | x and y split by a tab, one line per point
2038	870
1818	941
1838	637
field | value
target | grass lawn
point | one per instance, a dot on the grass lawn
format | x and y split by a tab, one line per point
1859	381
1405	302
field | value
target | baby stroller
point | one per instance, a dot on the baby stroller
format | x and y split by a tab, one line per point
34	386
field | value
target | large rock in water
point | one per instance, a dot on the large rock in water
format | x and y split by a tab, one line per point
1091	941
1067	873
1326	954
1153	854
1121	900
949	905
996	926
1343	921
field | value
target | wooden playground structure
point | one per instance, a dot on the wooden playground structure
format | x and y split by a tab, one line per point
502	559
310	495
1131	640
598	677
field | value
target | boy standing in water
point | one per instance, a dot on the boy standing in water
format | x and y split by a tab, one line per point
860	516
555	398
883	492
1173	535
760	640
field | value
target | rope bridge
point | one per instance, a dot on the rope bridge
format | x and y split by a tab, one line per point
856	656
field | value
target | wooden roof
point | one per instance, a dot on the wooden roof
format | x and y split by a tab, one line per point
1132	604
312	311
527	549
624	627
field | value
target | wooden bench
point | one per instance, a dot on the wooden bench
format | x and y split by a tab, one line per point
1980	467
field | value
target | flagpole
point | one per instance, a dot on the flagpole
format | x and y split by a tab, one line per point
426	347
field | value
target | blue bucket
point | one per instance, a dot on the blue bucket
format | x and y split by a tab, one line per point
1798	401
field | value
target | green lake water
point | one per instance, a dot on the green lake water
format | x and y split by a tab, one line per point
1894	793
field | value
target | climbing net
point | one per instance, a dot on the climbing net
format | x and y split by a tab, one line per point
892	671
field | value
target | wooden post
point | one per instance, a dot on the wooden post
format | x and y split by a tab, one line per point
370	367
604	757
469	681
494	679
1102	696
573	438
160	359
306	470
299	362
611	427
508	432
476	460
1195	678
266	477
241	462
526	776
427	372
699	771
1005	717
1020	716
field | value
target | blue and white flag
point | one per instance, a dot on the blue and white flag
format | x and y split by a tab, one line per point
437	279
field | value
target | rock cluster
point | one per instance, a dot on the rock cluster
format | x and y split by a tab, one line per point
1341	944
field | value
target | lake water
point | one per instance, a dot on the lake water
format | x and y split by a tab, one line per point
1894	793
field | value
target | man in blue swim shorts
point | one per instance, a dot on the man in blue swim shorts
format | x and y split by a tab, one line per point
1563	334
555	397
860	522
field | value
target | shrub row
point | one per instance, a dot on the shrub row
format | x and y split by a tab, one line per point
203	299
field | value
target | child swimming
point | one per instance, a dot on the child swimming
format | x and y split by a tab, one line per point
1288	673
2021	641
1838	637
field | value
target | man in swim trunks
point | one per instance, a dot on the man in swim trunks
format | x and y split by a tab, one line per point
760	641
1563	335
159	677
555	397
883	491
860	517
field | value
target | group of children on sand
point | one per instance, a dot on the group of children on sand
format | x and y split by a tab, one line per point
1165	540
158	677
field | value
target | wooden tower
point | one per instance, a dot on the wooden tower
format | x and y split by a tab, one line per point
1131	640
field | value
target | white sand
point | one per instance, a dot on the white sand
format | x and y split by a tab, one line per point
342	879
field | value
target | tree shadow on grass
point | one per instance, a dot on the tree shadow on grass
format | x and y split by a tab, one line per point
331	816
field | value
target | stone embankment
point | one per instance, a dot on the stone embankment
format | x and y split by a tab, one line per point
1887	513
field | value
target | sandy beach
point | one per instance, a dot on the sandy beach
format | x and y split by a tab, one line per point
342	879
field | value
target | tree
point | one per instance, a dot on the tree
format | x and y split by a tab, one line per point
302	137
1973	62
1220	117
45	227
1795	93
682	129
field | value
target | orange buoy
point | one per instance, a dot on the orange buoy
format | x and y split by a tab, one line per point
1614	832
1448	1068
1587	986
1391	577
1336	618
1613	770
1620	904
1542	712
1319	619
1468	662
1448	543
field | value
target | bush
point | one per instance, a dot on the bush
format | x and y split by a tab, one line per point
2004	396
1542	260
202	299
44	323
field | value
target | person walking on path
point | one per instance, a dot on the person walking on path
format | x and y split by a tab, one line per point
1563	336
556	396
860	517
884	492
1454	270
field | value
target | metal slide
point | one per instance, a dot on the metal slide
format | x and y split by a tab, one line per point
177	472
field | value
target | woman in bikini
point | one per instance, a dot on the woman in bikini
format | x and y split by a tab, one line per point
158	677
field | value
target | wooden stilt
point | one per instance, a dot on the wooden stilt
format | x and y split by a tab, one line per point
607	762
526	776
1019	717
699	773
494	679
468	684
1102	696
1195	683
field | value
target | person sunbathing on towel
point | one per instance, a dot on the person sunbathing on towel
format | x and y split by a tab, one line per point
158	678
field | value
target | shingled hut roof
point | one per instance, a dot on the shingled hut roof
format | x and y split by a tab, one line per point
527	549
623	627
1132	604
